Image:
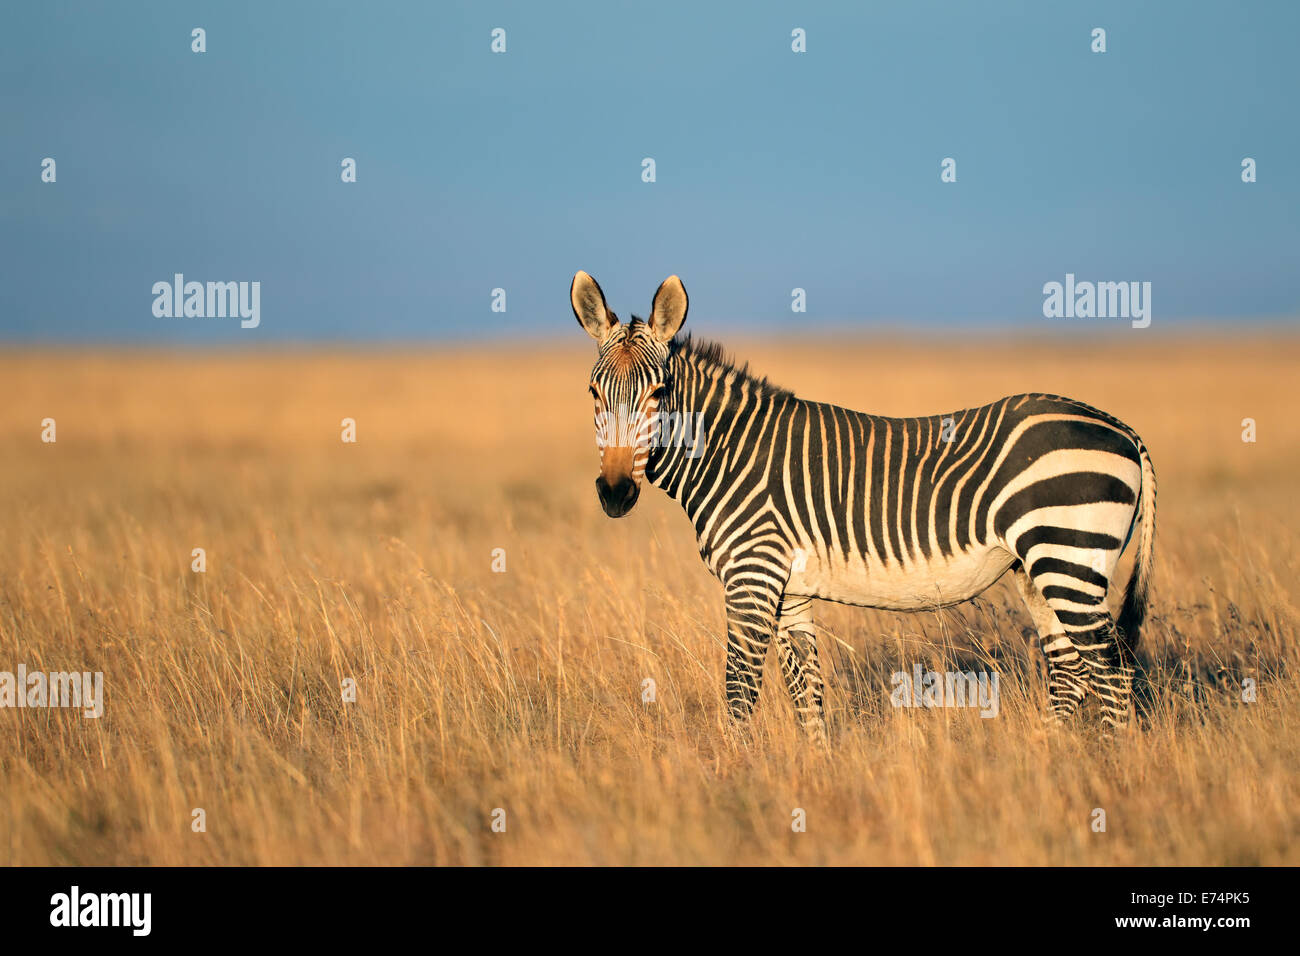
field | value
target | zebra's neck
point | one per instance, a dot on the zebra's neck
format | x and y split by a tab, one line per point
708	400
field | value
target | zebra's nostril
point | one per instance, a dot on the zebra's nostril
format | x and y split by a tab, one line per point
617	499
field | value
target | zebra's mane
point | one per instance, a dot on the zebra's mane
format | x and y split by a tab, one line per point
713	356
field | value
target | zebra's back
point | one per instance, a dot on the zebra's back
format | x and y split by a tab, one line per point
907	513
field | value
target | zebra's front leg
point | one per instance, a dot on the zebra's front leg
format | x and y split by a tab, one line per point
796	645
752	595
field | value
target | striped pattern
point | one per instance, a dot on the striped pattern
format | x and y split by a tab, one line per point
793	499
626	394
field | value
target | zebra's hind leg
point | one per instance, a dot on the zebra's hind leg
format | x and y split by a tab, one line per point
796	646
1067	674
1077	596
1111	670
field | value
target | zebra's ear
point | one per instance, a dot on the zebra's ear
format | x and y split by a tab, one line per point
589	306
669	309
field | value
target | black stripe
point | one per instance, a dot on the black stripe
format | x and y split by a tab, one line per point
1056	566
1079	488
1069	537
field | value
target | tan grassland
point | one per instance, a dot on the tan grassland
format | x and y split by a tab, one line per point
522	690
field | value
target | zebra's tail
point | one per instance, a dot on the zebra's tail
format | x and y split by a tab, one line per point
1133	610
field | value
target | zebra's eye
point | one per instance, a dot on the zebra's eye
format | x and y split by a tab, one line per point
656	390
594	394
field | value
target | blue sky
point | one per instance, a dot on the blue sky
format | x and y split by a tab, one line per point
775	170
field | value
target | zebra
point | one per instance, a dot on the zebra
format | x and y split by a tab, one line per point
793	499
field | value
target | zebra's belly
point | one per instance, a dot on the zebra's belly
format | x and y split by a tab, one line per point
915	586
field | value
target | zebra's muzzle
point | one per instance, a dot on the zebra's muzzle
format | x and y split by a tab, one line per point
618	498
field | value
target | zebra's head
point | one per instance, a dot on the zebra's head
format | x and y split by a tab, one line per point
627	383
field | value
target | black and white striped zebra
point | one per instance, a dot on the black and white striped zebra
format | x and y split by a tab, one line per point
793	499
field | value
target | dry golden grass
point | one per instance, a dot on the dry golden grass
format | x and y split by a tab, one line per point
522	690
